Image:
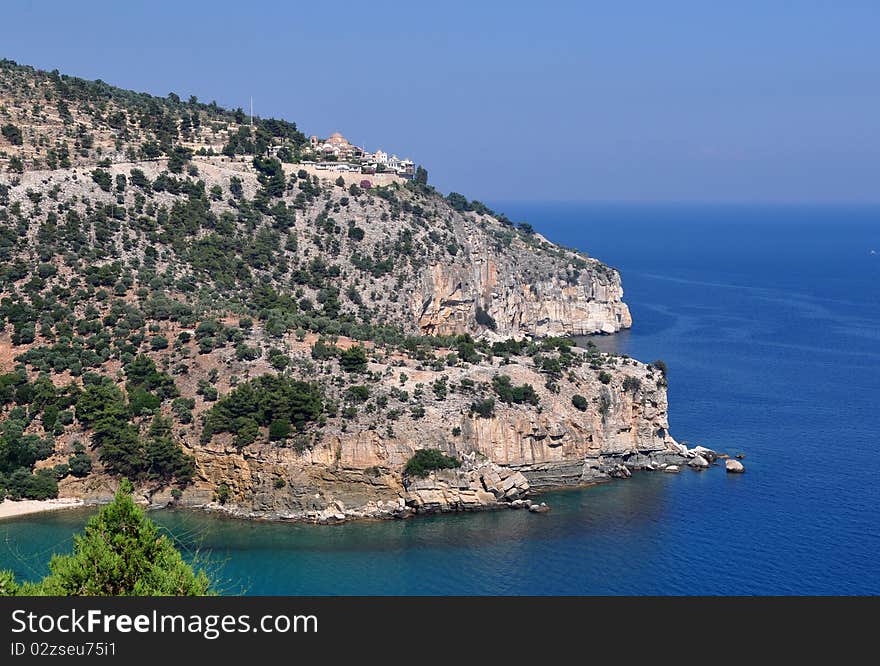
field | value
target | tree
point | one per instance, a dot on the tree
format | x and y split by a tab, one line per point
421	177
353	359
579	402
103	179
120	552
424	461
12	134
270	175
484	408
279	429
178	158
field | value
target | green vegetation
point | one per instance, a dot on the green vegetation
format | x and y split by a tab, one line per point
579	402
353	359
102	179
507	392
120	552
632	384
103	408
12	134
260	402
28	404
424	461
484	408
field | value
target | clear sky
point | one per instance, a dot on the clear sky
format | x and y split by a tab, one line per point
627	100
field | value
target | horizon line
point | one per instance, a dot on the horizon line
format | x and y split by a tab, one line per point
688	202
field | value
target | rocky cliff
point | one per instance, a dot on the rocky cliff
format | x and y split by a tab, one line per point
180	307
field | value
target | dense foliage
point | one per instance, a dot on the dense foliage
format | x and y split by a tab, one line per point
269	400
120	552
425	461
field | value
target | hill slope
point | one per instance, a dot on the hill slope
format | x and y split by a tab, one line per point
183	309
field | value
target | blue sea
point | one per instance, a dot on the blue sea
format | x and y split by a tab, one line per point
769	320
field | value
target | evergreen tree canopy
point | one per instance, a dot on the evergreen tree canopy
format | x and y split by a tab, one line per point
120	553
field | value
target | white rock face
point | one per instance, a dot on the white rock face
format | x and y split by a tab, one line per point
734	466
698	462
707	454
523	291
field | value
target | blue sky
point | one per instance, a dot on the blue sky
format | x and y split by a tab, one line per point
627	100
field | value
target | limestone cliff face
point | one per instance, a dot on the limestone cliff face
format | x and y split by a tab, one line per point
552	304
358	473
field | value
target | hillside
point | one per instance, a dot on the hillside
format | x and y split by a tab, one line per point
225	328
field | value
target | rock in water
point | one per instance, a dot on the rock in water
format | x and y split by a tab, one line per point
671	469
698	462
734	467
620	472
539	508
707	454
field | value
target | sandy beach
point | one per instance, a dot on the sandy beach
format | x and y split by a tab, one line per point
11	509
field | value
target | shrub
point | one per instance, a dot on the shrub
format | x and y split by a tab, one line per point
509	393
102	179
279	429
661	366
425	461
604	377
121	552
80	465
261	401
358	393
353	359
158	343
484	408
12	134
579	402
632	384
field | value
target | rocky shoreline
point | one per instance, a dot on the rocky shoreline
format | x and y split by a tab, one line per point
478	485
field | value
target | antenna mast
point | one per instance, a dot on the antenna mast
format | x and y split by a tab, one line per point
252	111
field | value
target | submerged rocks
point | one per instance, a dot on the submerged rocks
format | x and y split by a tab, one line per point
539	508
734	467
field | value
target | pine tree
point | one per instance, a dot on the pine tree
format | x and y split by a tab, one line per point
121	552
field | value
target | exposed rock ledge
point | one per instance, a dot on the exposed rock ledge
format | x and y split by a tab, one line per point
478	485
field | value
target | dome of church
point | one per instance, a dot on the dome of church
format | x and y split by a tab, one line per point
337	139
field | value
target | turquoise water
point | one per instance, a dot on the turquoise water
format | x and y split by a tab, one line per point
769	320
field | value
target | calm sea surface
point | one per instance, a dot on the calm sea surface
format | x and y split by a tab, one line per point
769	320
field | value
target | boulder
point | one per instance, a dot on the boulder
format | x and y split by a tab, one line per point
671	469
707	454
698	462
619	472
734	466
539	508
